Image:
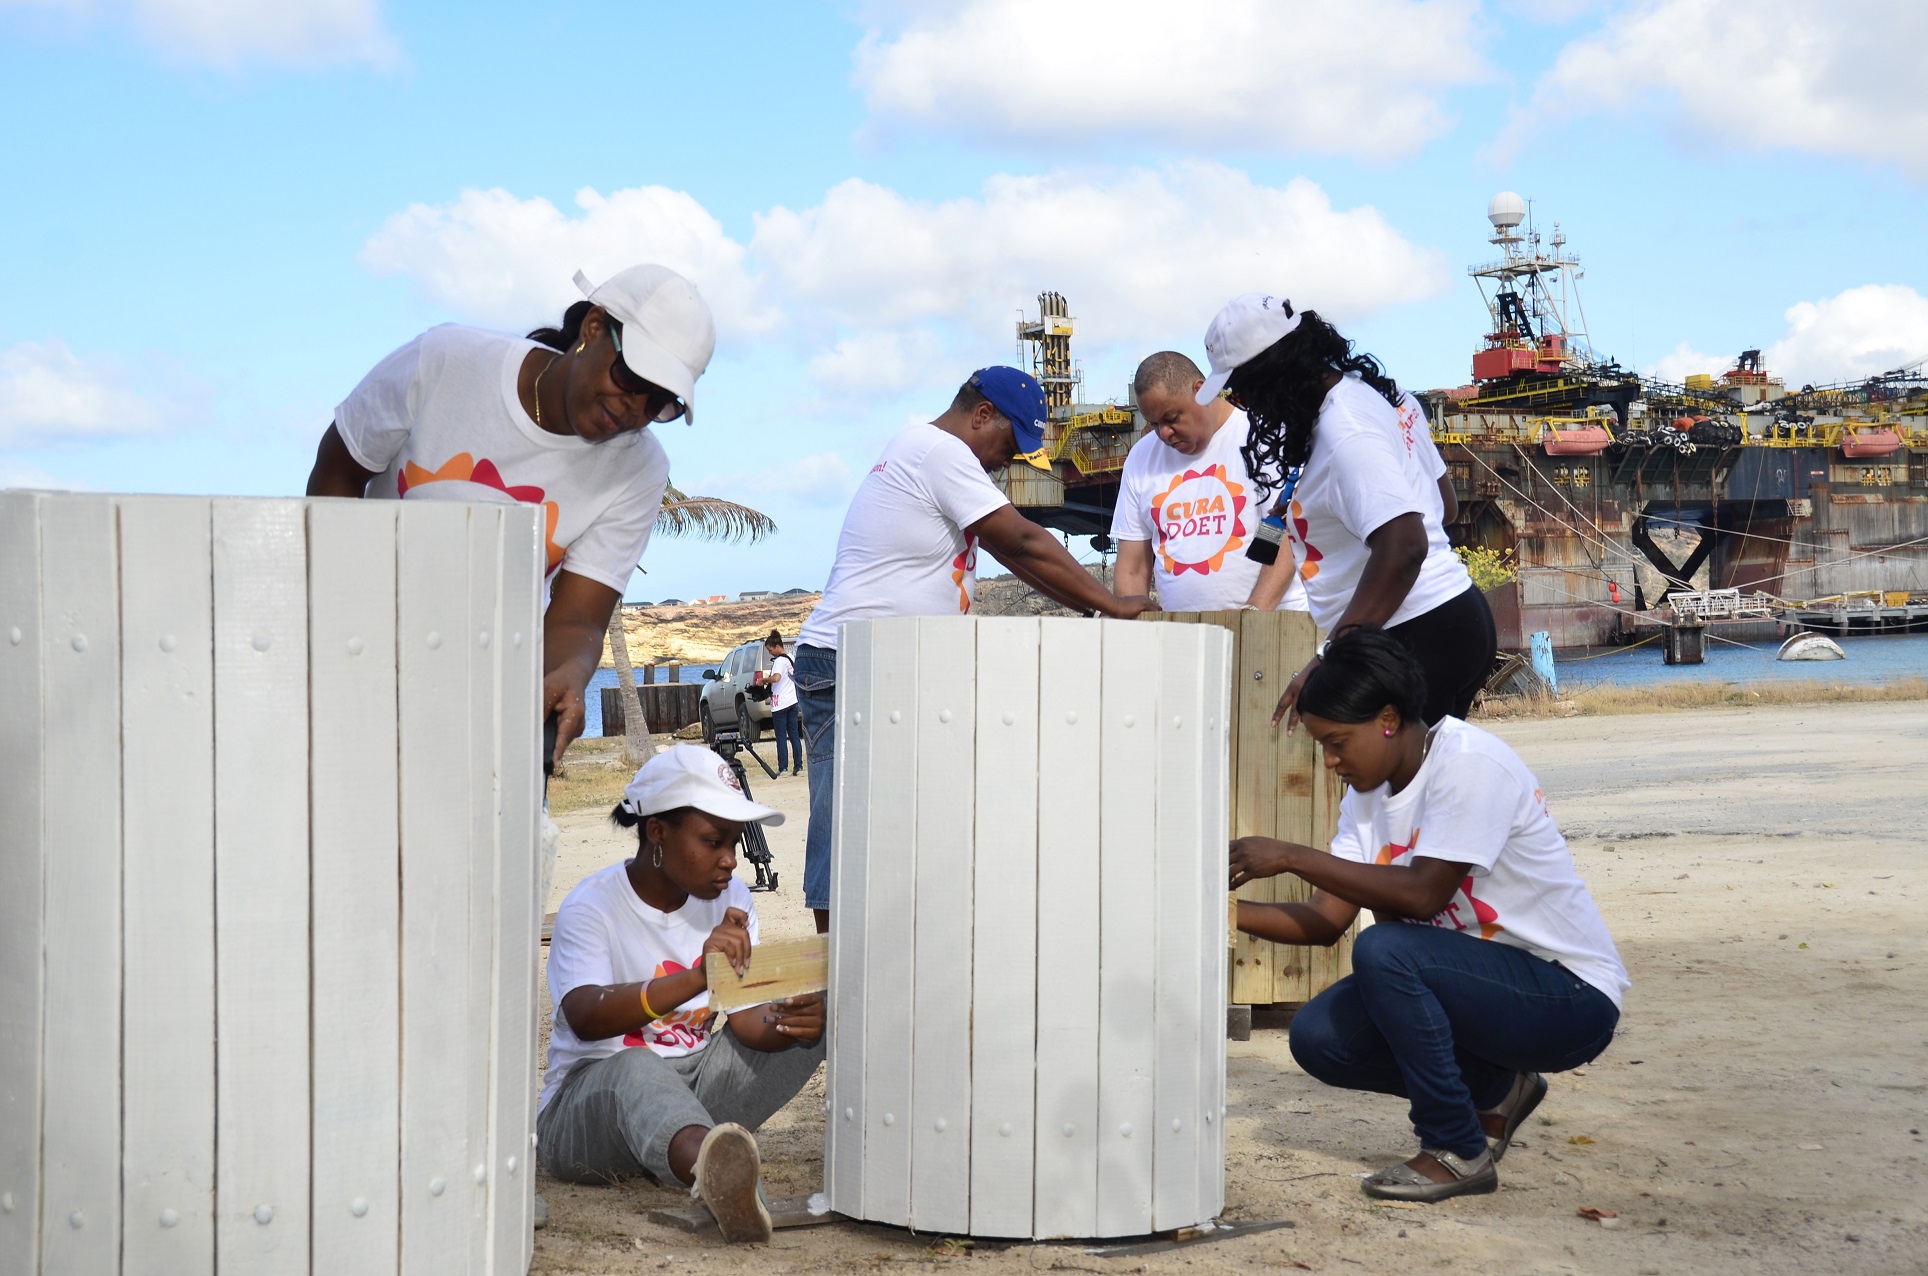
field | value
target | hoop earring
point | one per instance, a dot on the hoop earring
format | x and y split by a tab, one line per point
656	860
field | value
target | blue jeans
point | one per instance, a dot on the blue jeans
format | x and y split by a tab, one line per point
1446	1020
817	699
789	737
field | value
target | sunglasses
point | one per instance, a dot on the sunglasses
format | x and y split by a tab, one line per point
659	404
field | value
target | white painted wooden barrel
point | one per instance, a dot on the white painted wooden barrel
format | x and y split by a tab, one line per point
1028	937
269	785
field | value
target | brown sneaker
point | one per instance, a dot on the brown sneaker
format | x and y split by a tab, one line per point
728	1171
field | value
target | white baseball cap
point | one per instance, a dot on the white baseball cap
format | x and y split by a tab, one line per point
1246	327
691	775
668	334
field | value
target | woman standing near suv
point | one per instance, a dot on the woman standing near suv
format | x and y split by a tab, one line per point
782	681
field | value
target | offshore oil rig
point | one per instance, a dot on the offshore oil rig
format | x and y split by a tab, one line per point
1624	502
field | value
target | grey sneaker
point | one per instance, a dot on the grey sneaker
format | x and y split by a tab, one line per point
1402	1182
728	1174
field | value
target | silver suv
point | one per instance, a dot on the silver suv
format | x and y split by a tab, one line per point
727	704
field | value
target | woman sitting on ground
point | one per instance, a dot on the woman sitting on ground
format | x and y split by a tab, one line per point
640	1077
1490	964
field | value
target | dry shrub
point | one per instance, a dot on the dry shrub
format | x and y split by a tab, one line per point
1712	694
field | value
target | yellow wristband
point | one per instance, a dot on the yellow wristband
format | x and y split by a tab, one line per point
643	988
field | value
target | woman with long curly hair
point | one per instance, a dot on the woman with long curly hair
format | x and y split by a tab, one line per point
1360	502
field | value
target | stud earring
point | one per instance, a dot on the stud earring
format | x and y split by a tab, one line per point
1389	733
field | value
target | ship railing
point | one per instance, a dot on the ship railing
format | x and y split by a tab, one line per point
1722	604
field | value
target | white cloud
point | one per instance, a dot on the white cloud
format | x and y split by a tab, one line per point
227	34
882	293
820	479
506	261
1853	334
1138	254
49	395
1683	362
1840	79
33	477
1358	77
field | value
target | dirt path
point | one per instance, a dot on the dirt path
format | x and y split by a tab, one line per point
1760	1111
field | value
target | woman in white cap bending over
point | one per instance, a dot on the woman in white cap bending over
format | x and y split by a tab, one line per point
1361	503
641	1077
558	419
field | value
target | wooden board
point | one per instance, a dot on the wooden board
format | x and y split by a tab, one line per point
80	1226
433	705
889	906
357	876
479	704
940	1171
1211	972
518	669
781	968
1185	905
261	886
846	1113
167	791
1068	875
22	877
1004	929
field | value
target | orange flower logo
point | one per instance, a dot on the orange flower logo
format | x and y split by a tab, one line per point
964	572
1200	519
1310	567
471	474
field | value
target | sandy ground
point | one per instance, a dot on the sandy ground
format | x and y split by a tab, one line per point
1760	1110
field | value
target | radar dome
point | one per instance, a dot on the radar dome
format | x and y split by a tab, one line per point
1506	211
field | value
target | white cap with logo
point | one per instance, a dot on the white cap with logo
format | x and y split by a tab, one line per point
691	775
1248	326
668	334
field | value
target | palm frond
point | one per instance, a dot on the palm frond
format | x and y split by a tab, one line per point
711	518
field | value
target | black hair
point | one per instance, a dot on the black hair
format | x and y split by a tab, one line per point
624	818
1364	670
1169	370
1283	385
969	396
774	640
571	330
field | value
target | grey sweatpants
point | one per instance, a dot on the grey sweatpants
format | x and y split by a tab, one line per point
614	1118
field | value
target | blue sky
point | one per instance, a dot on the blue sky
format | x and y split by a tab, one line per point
221	213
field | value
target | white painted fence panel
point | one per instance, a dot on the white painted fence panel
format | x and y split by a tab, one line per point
1057	1046
167	789
270	814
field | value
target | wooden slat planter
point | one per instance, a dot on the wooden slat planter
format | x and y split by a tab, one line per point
268	916
1028	937
669	706
1279	789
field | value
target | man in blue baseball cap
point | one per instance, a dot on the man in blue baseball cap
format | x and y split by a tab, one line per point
909	548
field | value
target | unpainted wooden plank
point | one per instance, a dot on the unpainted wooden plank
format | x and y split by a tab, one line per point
432	616
518	671
890	908
478	1059
1186	909
846	1114
357	883
81	1090
22	879
777	969
261	887
1293	812
1065	1199
1258	681
941	1100
167	787
1127	962
1004	929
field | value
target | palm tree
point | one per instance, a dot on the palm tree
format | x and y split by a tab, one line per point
707	518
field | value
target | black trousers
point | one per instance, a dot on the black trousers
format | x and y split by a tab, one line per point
1455	644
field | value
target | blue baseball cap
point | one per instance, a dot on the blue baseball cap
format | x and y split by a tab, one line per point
1019	397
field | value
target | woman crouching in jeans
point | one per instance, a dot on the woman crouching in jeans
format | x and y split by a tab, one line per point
1489	965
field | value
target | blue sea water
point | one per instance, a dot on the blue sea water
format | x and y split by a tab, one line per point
607	678
1870	660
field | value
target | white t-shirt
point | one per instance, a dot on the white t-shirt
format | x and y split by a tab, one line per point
440	419
783	684
1198	513
1361	476
606	934
1418	436
903	550
1474	802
